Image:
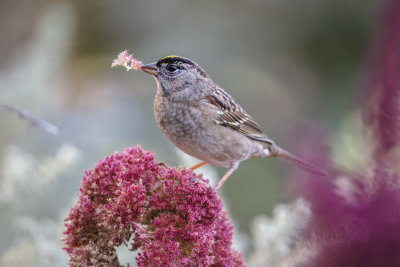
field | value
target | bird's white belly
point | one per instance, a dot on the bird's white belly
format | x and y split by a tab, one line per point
196	134
216	145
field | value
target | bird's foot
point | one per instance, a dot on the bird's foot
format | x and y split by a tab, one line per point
215	188
162	164
196	180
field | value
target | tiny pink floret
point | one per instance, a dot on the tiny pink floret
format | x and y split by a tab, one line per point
127	60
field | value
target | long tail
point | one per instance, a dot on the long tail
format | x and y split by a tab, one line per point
283	154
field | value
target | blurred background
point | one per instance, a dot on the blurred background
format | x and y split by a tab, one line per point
288	63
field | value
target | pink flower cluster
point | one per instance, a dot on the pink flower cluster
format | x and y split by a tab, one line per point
130	199
127	60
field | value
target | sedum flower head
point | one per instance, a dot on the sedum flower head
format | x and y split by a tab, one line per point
130	199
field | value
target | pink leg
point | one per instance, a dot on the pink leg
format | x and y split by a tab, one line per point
225	177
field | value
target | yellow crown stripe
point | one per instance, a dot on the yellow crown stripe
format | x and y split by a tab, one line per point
170	56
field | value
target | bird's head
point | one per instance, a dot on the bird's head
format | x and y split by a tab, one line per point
178	77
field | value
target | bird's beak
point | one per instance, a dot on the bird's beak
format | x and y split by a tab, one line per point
150	69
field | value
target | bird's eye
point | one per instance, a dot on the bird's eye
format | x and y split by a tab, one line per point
172	67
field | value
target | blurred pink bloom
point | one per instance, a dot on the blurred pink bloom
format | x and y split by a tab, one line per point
127	60
356	216
383	106
173	220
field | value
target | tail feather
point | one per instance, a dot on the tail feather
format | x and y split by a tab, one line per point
283	154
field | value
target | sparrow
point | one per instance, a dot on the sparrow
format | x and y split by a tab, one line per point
204	121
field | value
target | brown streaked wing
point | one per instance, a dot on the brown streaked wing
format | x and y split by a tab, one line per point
233	116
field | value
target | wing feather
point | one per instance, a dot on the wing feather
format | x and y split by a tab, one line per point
233	116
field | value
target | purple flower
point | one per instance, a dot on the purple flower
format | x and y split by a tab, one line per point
356	216
173	220
382	112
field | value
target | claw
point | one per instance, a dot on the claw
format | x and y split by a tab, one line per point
162	164
215	188
196	180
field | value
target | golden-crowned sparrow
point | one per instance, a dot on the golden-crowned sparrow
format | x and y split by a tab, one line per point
201	119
